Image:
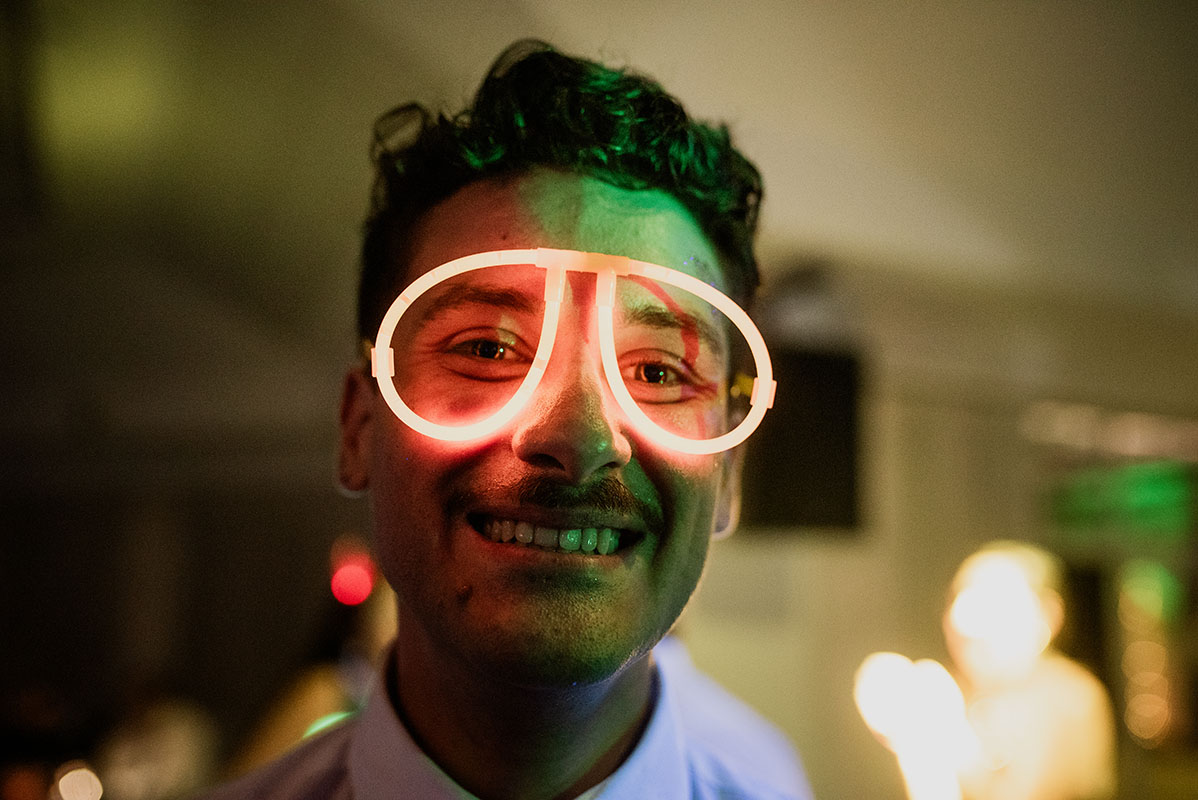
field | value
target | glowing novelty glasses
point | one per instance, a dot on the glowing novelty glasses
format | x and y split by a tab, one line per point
460	353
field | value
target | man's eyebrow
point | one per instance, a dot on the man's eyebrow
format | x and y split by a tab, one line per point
453	297
655	316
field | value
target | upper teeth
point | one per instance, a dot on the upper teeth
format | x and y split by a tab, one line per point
587	540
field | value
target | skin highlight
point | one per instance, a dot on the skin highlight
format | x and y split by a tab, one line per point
522	673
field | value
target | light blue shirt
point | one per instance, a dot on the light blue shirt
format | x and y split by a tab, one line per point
700	744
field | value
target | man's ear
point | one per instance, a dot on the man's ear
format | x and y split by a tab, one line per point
357	417
727	510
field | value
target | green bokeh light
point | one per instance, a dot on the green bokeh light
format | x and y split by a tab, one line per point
1153	588
1152	498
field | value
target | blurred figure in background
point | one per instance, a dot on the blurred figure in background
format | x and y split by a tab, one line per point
1017	720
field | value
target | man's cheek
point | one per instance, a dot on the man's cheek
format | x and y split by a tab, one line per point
695	485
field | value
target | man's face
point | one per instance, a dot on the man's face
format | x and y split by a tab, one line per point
569	461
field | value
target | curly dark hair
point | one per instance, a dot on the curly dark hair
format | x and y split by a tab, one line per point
538	107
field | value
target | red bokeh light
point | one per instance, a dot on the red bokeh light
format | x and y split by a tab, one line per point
352	582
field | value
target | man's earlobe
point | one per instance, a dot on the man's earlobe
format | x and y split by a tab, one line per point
353	454
727	511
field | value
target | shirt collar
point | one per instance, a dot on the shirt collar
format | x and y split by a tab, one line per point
383	757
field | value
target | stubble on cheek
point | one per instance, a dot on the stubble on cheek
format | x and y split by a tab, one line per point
411	531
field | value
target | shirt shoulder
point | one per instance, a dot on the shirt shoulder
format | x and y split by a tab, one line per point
314	770
732	752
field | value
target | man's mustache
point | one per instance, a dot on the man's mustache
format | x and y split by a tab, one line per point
606	494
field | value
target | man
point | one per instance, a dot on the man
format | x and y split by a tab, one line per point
545	429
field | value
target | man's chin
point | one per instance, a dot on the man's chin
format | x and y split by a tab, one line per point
554	660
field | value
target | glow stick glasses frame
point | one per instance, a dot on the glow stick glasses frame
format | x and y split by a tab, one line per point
606	269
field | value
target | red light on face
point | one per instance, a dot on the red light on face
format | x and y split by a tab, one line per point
352	582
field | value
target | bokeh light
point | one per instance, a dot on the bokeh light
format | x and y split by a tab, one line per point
1150	600
1144	662
918	710
352	582
879	692
1147	718
76	781
997	624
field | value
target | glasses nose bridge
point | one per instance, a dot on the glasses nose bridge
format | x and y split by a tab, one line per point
589	298
575	357
573	420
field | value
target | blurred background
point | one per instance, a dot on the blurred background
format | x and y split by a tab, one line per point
980	251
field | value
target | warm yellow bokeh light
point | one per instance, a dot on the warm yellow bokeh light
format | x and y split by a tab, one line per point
879	692
997	622
918	710
1147	718
80	783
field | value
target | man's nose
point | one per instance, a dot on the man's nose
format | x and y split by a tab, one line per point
572	426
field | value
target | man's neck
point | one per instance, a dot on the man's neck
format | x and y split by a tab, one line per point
498	740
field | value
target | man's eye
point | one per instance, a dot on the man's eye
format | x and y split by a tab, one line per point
659	374
484	348
485	355
657	378
656	369
653	379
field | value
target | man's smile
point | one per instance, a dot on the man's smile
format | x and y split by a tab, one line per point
604	518
583	534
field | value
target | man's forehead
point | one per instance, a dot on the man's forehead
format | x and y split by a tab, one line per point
548	208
